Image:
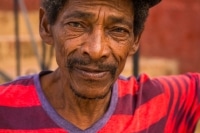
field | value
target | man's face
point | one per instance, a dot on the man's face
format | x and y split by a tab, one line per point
92	39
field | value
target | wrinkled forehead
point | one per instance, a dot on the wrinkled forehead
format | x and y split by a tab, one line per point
113	2
118	4
92	9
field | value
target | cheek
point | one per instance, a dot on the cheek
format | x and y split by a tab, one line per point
121	50
61	43
121	53
60	49
69	40
66	48
60	55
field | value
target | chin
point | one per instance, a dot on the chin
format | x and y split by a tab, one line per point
91	93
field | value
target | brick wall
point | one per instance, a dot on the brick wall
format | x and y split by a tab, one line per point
173	31
6	5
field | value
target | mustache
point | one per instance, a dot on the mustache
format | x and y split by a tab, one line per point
72	62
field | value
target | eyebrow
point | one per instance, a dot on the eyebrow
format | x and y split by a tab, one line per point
86	15
120	20
80	14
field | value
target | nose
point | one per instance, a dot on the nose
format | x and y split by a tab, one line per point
96	45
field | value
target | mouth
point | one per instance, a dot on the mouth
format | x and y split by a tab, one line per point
91	73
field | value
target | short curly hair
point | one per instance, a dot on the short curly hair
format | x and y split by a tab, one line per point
141	9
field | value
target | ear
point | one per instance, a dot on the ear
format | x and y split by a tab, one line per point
45	27
135	45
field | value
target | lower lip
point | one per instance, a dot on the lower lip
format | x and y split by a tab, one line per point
91	75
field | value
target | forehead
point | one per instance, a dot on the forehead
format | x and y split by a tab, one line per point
112	6
113	3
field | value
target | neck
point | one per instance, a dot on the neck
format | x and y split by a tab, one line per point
82	112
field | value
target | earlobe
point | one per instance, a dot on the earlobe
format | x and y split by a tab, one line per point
44	27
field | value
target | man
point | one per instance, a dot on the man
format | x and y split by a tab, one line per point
92	39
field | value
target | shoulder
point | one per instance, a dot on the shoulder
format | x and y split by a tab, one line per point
20	82
142	84
166	84
183	81
141	81
23	80
19	92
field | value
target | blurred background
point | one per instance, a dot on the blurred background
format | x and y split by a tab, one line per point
169	45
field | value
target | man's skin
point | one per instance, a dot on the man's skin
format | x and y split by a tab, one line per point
92	40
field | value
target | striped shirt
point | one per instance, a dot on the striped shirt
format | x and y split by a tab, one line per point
160	105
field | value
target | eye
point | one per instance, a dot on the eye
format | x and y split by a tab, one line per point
120	30
74	29
119	33
75	24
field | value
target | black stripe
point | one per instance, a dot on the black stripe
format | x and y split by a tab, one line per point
24	118
178	103
196	78
171	100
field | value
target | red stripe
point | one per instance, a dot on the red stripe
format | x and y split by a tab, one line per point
18	96
145	116
130	84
